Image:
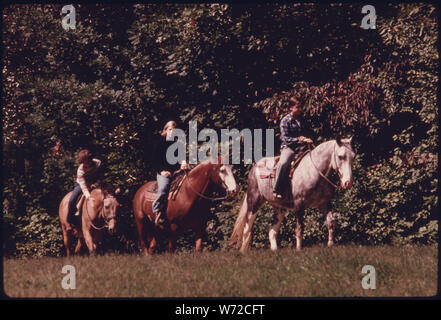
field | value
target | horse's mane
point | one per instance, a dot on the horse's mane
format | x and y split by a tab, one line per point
202	165
326	143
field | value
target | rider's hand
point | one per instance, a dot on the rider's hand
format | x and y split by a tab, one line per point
184	165
165	173
304	139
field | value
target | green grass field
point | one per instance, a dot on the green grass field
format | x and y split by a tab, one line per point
314	272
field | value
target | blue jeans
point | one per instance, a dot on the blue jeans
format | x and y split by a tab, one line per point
161	200
73	201
283	167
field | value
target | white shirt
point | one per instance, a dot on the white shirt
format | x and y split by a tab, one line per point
81	177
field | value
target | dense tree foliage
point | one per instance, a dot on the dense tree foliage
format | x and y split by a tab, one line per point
112	83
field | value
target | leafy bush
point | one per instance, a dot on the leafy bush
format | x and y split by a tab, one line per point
38	235
112	88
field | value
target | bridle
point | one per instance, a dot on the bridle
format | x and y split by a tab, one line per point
205	186
321	174
100	214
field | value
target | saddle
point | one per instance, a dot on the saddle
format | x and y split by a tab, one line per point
267	169
177	179
80	201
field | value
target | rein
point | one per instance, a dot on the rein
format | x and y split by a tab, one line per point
101	214
205	186
321	174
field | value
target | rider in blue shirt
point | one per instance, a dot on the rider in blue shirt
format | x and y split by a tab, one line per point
291	134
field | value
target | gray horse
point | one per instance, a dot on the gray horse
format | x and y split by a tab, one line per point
310	188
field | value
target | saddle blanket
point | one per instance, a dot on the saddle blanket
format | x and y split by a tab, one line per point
266	167
176	183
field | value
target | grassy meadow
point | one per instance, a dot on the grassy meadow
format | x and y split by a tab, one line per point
317	271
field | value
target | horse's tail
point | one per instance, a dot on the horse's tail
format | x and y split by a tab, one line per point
239	225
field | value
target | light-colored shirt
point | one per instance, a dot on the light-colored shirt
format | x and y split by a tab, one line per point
83	176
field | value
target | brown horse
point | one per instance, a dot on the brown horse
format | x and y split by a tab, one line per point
188	210
98	213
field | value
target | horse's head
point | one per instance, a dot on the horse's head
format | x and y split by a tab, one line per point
110	206
342	163
223	176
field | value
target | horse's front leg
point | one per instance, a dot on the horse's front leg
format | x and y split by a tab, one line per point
79	247
198	244
299	229
172	244
330	222
274	229
152	246
140	226
67	238
199	234
172	239
89	241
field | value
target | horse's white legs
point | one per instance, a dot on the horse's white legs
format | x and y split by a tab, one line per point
251	216
330	221
299	229
274	229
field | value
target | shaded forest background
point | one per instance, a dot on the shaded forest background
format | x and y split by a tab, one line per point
112	83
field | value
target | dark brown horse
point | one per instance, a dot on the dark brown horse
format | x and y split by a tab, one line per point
188	211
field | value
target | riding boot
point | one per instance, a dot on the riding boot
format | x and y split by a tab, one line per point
160	219
282	172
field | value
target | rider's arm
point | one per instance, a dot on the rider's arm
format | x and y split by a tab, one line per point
97	162
82	181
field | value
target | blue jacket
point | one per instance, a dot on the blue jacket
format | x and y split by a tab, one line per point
290	131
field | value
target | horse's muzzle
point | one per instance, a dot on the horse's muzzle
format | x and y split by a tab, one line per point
232	193
347	185
111	226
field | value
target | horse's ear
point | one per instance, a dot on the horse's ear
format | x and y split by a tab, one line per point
222	159
350	140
